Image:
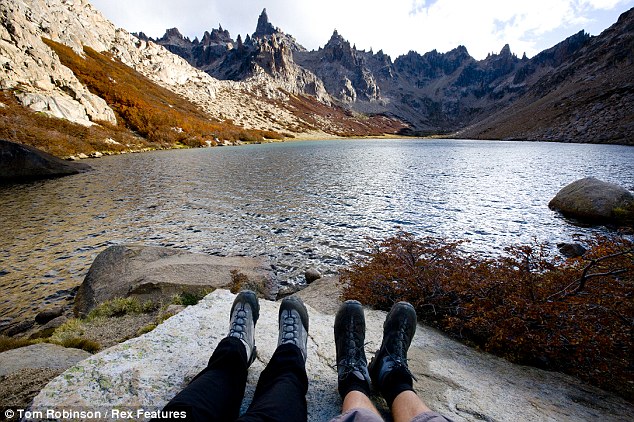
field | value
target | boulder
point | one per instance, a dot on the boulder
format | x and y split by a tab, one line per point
288	290
49	314
49	328
311	275
593	200
571	250
157	274
17	328
39	356
22	162
458	381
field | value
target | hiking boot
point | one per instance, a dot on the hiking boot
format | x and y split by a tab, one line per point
244	314
349	341
293	320
398	331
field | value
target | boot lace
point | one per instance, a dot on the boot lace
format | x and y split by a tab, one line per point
239	323
354	359
289	328
398	356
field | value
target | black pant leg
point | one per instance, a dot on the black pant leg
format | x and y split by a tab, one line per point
281	391
216	393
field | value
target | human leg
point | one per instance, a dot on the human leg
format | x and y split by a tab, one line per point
281	391
216	392
388	369
407	405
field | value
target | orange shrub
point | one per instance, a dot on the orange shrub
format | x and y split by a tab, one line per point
575	316
60	137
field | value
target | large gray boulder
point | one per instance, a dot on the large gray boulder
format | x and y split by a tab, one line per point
591	199
22	162
458	381
157	274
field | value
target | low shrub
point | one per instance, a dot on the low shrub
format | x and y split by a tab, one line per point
575	316
146	329
190	298
73	328
61	137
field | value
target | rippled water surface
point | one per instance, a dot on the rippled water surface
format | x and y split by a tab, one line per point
300	204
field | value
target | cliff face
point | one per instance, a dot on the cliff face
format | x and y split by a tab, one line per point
434	92
276	96
26	63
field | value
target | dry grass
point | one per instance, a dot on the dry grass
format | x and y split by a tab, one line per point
8	343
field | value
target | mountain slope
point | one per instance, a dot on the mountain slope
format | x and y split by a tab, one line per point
588	97
435	92
578	91
32	71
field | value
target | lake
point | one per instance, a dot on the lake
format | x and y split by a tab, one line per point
300	204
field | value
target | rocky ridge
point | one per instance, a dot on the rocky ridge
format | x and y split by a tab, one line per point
578	91
40	81
587	95
442	92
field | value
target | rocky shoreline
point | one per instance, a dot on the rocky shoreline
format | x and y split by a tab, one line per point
454	379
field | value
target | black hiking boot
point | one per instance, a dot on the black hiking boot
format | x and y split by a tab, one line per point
293	320
391	359
352	365
244	314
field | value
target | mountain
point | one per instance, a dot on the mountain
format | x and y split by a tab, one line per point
64	59
588	93
442	92
119	91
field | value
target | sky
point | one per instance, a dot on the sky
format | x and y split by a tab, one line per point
394	26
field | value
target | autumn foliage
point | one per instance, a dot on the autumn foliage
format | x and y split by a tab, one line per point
151	111
574	316
61	137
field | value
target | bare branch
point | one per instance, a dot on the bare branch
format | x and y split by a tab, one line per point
581	282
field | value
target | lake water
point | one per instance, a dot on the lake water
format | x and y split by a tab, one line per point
300	204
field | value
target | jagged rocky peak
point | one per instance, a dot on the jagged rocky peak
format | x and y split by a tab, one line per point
217	36
505	53
264	27
337	39
141	35
562	51
173	34
433	64
338	49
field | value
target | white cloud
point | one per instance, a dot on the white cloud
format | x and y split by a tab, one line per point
396	26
